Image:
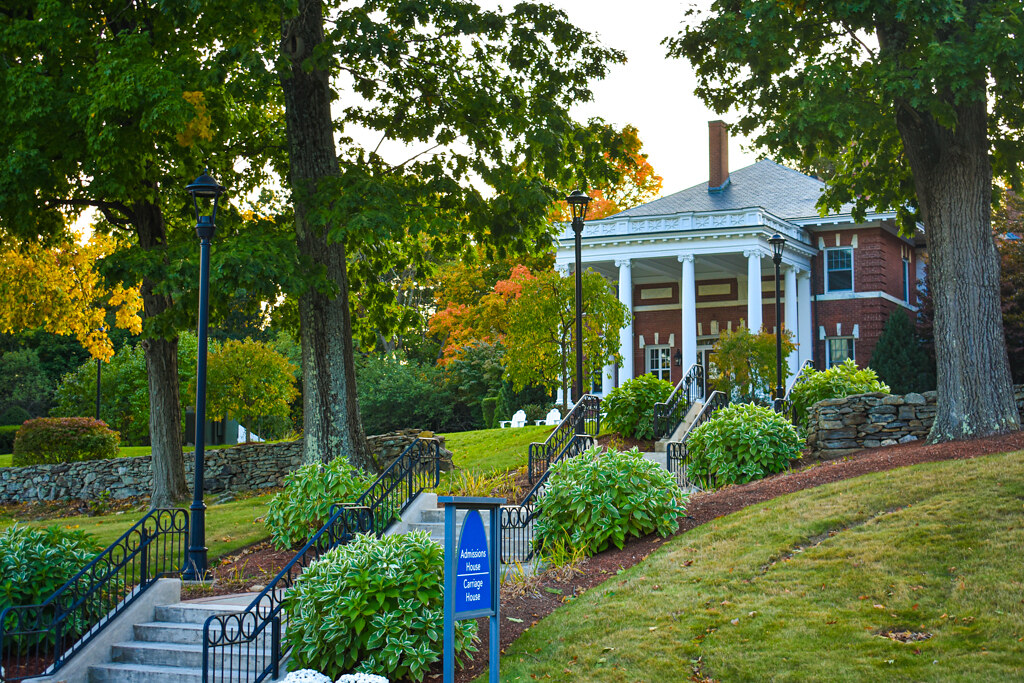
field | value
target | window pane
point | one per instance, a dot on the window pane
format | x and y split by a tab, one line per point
839	349
906	281
839	269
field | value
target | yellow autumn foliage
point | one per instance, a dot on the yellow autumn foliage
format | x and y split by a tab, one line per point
199	127
60	290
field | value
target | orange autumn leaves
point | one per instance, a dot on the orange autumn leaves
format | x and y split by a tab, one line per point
59	289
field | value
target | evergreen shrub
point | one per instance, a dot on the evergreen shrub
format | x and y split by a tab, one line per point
599	499
630	407
900	359
52	440
7	434
740	443
302	508
36	562
488	407
839	381
14	415
376	606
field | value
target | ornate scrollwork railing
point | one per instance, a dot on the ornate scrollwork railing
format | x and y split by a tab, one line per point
784	405
248	646
583	419
678	456
517	520
39	639
670	414
417	469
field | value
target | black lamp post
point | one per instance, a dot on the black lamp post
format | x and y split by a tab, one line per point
203	189
578	202
778	242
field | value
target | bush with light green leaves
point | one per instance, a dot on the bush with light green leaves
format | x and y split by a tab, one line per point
740	443
839	381
599	499
630	408
376	606
304	506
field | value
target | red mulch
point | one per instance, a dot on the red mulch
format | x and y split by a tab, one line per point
552	592
624	443
249	570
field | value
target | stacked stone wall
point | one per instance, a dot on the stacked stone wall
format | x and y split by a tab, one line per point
246	467
841	426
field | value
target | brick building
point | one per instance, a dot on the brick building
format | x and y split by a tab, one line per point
698	261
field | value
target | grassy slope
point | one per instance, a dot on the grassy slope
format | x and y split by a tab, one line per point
228	527
810	578
486	451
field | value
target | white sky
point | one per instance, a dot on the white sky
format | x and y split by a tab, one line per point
651	91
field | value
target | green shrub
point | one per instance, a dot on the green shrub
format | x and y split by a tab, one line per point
36	562
740	443
373	606
7	434
488	406
14	415
630	407
838	381
536	411
51	440
300	510
597	499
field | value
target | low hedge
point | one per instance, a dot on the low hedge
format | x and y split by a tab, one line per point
53	440
7	434
630	407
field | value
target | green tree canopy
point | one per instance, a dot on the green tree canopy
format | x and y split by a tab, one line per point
912	107
745	364
541	340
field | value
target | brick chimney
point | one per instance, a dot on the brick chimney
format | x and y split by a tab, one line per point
718	155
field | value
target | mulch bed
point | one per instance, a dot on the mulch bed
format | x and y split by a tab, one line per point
624	443
551	591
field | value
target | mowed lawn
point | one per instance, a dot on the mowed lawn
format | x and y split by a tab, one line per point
487	451
800	589
229	526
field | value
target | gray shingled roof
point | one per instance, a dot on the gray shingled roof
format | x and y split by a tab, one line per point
781	191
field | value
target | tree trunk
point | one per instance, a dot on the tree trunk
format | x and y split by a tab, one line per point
162	372
331	422
953	179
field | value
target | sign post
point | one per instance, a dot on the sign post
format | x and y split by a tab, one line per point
472	574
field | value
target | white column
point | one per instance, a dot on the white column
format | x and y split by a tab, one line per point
754	303
688	304
626	334
607	379
805	335
790	316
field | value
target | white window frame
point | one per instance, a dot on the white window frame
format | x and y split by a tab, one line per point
664	371
906	280
828	284
828	350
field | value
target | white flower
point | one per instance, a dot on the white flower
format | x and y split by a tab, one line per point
361	678
306	676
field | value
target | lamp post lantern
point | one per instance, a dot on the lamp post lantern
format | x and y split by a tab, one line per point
578	202
205	193
778	242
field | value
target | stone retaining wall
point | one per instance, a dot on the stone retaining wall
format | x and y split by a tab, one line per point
840	426
246	467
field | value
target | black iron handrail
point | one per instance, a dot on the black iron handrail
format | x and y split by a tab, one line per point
248	646
677	454
785	404
39	639
418	468
583	419
517	520
670	414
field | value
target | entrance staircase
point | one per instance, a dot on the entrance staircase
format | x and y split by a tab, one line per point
169	649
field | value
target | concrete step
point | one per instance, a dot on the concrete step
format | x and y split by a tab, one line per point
169	632
114	672
186	656
185	613
658	457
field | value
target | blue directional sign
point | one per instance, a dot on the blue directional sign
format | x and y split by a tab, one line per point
473	566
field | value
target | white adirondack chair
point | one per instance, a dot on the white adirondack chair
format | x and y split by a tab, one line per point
553	418
519	418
